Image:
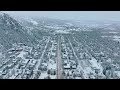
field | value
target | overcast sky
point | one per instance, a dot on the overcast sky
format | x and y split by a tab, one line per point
74	15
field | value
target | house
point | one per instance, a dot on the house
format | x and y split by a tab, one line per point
43	67
52	71
73	64
67	66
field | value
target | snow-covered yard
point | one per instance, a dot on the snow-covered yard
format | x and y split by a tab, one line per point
43	75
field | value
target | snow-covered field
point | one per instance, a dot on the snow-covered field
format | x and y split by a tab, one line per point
54	27
34	22
62	31
114	32
115	37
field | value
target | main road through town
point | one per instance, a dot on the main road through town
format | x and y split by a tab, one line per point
59	60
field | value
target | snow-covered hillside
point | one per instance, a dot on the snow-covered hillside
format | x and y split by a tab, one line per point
13	32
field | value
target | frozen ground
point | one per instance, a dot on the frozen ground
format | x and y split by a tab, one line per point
62	31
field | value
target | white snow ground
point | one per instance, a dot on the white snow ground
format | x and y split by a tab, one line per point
114	32
54	27
43	75
34	22
62	31
21	54
116	38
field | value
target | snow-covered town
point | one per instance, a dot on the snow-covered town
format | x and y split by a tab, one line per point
45	48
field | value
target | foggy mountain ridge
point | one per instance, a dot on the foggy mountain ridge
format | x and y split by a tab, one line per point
12	32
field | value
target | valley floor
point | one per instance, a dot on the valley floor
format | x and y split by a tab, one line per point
62	56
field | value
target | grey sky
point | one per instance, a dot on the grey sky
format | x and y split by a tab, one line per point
75	15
